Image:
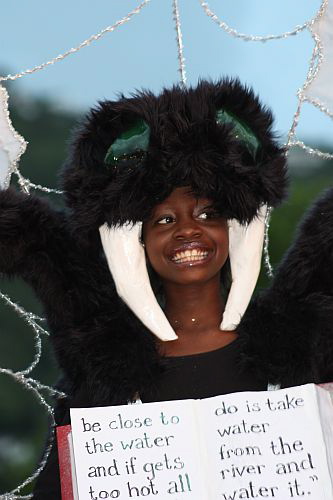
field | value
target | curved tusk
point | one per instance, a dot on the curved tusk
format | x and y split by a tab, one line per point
127	263
245	251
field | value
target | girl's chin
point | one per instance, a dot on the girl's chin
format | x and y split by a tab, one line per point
196	275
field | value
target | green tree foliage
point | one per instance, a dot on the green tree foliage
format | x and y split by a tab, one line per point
23	422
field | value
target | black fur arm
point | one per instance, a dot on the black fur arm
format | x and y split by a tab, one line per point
294	333
36	245
308	265
27	231
30	231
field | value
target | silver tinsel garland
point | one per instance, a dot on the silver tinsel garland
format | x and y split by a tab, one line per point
179	38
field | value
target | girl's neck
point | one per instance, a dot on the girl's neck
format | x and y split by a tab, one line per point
194	309
195	313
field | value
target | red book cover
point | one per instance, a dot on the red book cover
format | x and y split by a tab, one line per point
65	466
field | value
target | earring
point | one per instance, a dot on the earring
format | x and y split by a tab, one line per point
142	243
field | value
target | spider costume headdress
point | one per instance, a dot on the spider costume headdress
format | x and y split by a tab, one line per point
130	154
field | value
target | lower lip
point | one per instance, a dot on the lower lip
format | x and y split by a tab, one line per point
194	263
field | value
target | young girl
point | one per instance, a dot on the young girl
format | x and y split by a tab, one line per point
146	279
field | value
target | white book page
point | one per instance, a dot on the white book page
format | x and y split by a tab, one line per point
137	451
265	445
325	404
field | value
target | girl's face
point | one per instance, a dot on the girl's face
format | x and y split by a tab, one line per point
186	240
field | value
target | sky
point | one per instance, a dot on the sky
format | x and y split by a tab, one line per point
143	52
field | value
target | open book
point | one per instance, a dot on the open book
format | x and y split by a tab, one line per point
250	445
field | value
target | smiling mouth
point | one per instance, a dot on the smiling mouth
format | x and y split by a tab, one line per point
191	256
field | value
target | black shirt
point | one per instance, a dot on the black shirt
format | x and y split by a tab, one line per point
203	375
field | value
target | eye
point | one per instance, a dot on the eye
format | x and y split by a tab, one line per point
166	219
208	214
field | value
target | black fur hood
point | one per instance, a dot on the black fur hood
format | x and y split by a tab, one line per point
188	145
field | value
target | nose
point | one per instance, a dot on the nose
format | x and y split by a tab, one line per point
187	229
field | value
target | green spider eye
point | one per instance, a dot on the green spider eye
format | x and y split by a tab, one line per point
131	143
240	129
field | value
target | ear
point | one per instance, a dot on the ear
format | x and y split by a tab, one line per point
101	127
127	263
88	183
133	142
241	131
245	251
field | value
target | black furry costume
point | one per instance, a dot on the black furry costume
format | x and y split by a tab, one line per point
106	354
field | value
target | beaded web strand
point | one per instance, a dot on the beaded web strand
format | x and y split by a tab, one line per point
36	322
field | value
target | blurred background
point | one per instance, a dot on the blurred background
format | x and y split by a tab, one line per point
142	53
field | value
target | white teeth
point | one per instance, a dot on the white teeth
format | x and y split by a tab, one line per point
190	256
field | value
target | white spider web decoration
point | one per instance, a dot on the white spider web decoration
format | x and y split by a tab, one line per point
315	90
